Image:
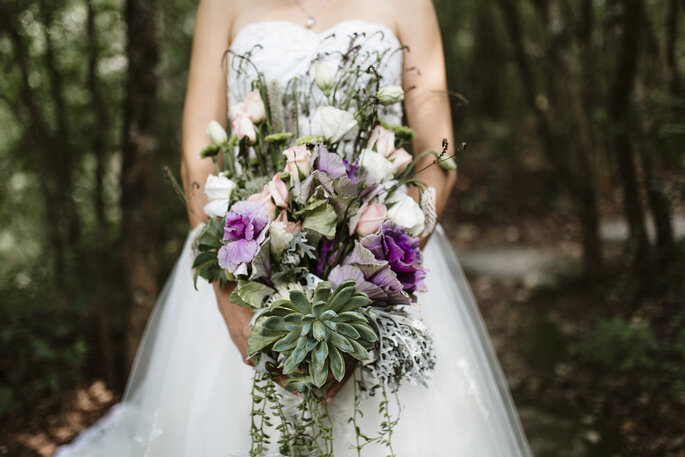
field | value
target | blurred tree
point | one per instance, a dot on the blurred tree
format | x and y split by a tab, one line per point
139	153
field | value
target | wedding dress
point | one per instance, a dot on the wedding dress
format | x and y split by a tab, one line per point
189	391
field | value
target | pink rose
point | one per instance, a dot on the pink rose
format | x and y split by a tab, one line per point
265	197
400	160
254	106
298	158
243	126
383	139
279	191
290	227
367	220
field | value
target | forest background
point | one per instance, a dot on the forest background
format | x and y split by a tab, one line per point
568	214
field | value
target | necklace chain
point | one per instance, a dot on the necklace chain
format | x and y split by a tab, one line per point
311	18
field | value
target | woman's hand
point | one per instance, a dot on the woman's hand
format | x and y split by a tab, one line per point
237	318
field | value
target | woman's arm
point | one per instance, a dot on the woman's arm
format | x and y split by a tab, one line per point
427	99
206	101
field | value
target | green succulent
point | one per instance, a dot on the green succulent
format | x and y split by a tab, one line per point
314	334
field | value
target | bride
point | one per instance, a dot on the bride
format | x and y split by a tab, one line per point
189	390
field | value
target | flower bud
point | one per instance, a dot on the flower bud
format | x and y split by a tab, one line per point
323	78
217	133
390	94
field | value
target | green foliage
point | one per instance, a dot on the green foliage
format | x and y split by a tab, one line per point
654	361
618	344
41	353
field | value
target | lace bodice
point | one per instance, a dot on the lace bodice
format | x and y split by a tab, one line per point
283	50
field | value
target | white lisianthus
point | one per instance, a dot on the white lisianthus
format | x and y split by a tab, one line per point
217	133
219	187
407	213
218	190
323	78
390	94
373	163
279	237
335	124
216	208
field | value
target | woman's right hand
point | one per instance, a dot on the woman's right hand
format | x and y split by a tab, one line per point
237	318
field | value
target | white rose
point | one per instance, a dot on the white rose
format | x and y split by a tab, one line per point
335	124
216	208
323	78
376	165
407	213
219	187
279	237
217	133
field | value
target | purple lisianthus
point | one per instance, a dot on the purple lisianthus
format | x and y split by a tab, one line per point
393	244
352	170
374	277
330	163
245	229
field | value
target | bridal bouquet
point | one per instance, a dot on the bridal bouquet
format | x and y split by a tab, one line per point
321	236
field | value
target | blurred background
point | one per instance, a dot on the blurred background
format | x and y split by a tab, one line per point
568	215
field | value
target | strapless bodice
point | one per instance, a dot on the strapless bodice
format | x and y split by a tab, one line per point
283	51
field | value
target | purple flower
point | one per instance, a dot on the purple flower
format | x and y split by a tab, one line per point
352	170
330	163
327	255
245	229
393	244
374	277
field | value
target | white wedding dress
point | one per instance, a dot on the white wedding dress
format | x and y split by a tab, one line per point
189	391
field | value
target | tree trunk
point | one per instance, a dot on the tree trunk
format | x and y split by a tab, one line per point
561	143
671	41
138	175
620	112
100	255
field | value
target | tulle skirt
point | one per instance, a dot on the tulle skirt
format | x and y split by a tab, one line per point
189	391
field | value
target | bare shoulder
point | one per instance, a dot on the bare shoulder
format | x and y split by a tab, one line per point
412	17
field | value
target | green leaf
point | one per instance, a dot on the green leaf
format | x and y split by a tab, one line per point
366	332
298	355
323	291
340	298
252	292
276	323
319	331
287	342
204	258
256	341
347	330
359	351
341	342
337	363
300	302
321	352
321	220
289	364
319	374
351	316
357	301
